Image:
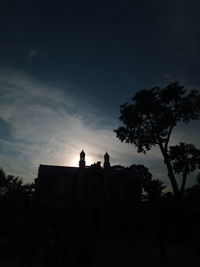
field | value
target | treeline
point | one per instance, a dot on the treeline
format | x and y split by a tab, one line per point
16	197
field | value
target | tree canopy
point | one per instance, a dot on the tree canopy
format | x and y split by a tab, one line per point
185	158
151	118
13	192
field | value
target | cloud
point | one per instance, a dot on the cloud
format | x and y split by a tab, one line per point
32	53
50	125
44	124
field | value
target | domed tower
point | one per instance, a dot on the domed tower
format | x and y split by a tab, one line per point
106	164
82	160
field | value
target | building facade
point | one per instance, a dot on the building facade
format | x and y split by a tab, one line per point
94	191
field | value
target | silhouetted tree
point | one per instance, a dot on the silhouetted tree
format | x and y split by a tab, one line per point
185	158
142	172
13	192
150	120
9	184
154	189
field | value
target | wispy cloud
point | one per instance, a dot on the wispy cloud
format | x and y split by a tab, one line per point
48	125
32	53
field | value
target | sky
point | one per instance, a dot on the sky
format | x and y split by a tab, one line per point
67	66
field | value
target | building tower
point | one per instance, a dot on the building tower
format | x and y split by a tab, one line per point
106	164
82	160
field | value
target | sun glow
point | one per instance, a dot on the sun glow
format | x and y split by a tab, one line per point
74	162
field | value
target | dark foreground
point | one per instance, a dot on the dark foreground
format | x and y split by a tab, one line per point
137	244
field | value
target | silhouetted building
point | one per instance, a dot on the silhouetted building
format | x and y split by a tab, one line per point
106	161
91	191
82	160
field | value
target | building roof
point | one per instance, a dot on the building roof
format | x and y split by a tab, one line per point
56	171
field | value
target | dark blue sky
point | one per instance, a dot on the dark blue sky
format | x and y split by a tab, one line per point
83	59
103	46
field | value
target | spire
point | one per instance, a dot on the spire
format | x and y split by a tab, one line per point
106	161
82	154
82	160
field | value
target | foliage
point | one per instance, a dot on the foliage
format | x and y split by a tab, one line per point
142	172
185	158
154	189
9	184
13	192
150	120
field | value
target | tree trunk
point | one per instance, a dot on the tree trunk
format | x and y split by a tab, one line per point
183	182
170	173
177	196
172	180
